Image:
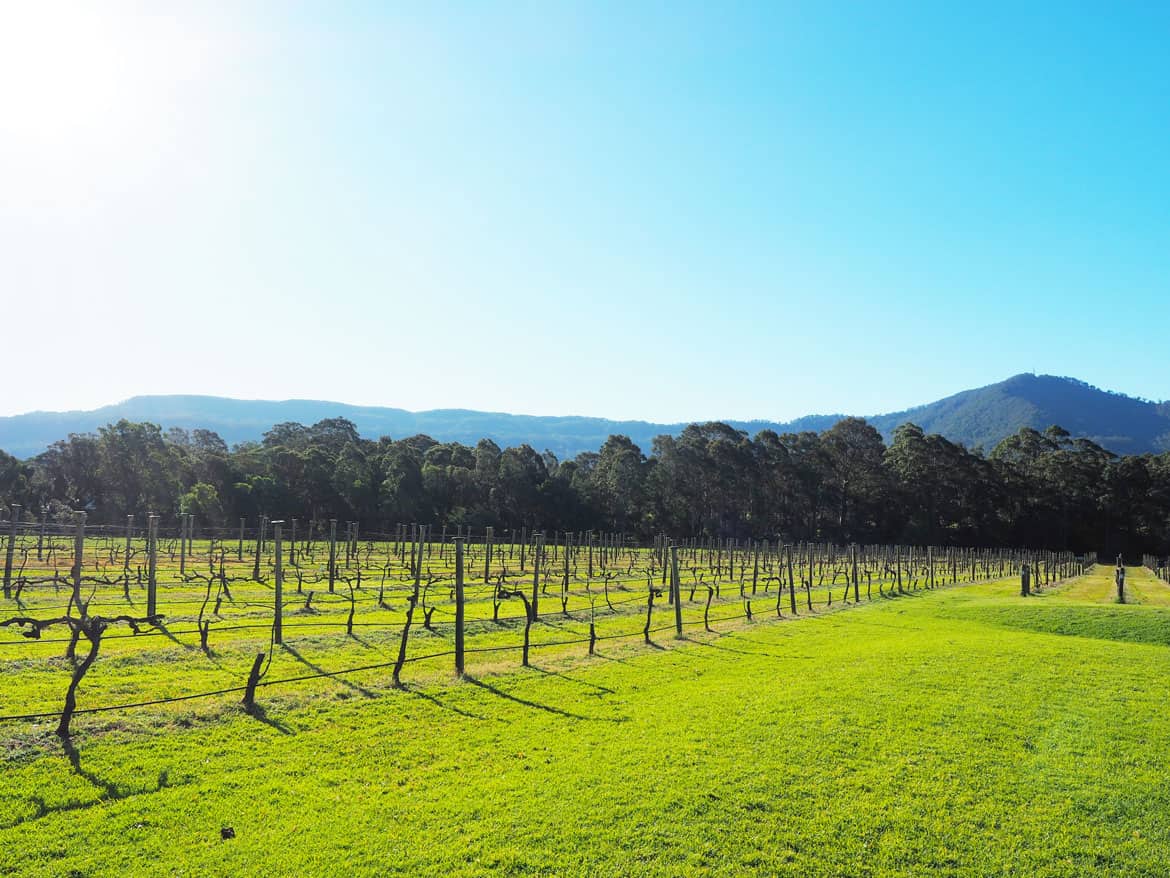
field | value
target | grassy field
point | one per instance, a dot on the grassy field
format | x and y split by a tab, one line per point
959	731
320	637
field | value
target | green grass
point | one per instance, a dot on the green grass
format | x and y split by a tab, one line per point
962	731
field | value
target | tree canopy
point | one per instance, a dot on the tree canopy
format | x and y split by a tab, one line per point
845	484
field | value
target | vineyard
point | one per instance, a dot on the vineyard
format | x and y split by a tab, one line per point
323	701
236	605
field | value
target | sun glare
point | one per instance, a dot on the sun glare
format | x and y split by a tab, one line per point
63	74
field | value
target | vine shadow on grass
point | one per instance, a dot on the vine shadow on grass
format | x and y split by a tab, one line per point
748	652
362	690
257	711
109	791
551	673
418	693
547	708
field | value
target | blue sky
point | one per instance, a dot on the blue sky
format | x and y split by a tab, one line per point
659	211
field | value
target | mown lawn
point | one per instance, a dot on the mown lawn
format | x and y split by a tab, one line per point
962	731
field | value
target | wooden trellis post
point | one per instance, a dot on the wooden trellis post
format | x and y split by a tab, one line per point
755	567
129	535
259	548
459	604
182	545
565	581
791	579
332	552
487	553
278	573
536	553
853	565
78	558
674	587
152	565
11	548
41	535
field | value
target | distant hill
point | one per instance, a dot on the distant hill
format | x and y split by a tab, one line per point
984	416
974	417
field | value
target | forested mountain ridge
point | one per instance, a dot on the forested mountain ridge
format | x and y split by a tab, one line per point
987	415
843	485
979	417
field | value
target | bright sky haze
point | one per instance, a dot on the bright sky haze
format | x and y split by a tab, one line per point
669	212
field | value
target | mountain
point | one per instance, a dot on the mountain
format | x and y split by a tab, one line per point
979	417
984	416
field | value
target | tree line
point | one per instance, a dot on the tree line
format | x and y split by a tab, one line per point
1043	489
